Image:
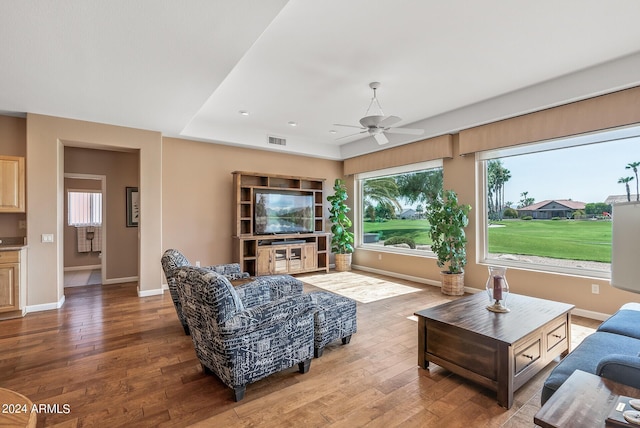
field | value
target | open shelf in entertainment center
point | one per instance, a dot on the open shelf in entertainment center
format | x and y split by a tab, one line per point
268	254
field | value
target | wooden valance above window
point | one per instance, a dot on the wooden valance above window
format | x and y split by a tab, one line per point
421	151
594	114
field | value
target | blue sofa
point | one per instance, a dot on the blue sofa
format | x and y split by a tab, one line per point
612	351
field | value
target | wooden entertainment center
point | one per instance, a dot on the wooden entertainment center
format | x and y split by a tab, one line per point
269	254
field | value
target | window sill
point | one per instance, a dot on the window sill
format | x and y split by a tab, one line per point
548	268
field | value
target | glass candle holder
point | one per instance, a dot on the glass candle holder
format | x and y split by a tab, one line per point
497	289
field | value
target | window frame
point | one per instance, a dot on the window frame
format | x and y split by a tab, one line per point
358	208
482	219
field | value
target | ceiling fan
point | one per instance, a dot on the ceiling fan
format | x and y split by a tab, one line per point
377	125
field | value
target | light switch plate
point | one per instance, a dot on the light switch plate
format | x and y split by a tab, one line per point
47	237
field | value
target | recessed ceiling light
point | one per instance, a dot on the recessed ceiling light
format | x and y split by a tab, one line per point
333	131
244	112
292	123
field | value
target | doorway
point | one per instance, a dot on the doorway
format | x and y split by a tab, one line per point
84	229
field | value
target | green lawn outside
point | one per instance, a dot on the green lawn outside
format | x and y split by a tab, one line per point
416	229
560	239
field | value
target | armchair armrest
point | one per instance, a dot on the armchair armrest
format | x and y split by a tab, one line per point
624	369
265	316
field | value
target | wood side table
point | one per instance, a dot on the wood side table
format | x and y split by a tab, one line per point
582	401
15	410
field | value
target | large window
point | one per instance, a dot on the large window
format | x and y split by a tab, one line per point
84	208
391	206
549	204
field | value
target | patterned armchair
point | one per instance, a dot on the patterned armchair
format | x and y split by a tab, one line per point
172	260
279	285
241	334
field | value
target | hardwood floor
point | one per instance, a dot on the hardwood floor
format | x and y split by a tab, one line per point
119	360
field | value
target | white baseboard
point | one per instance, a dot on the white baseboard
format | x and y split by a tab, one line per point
398	275
45	306
120	280
154	292
590	314
87	267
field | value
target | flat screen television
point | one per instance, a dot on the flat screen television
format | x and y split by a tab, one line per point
282	212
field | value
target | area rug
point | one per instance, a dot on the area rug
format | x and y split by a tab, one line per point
362	288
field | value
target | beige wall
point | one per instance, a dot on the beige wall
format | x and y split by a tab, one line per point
121	171
197	193
13	132
46	137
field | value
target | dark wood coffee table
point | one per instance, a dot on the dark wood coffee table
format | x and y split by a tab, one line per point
500	351
582	401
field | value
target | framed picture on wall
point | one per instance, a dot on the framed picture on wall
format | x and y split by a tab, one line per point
133	207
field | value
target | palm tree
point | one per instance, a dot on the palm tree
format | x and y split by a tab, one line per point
634	166
497	176
381	191
626	181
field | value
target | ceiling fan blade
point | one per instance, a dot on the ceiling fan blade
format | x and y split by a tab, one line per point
407	131
388	121
348	126
381	138
350	135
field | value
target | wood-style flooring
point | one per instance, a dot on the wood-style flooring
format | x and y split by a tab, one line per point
118	360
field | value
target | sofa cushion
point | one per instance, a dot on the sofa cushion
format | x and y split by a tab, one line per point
625	322
587	356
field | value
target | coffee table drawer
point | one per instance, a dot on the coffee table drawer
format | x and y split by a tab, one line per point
527	356
556	336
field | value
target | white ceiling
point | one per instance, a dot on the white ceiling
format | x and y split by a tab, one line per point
187	67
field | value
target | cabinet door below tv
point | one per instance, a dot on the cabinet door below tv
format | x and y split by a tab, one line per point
265	261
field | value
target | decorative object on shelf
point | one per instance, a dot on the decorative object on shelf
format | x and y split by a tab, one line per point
342	239
447	220
133	207
497	289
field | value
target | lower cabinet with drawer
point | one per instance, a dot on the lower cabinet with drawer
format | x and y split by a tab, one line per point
12	289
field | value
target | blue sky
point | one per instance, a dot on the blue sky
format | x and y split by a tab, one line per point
587	173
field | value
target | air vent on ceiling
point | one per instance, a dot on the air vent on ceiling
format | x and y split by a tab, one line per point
277	141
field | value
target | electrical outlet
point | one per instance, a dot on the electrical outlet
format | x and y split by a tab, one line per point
379	256
595	288
197	263
47	237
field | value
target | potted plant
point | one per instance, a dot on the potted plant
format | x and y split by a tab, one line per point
342	239
447	219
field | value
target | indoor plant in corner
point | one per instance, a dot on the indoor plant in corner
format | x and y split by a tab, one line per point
342	239
447	219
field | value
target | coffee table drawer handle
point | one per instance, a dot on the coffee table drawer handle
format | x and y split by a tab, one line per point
557	336
528	356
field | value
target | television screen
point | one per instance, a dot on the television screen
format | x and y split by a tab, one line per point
282	212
